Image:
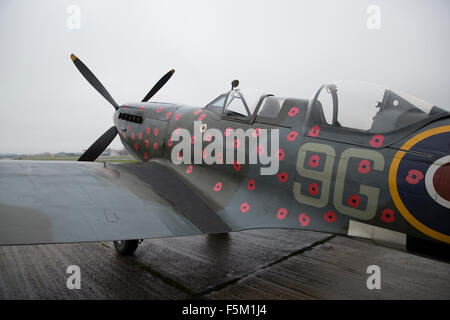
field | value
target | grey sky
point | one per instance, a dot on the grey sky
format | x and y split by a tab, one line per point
288	48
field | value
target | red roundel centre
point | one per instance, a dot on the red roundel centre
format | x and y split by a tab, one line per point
441	180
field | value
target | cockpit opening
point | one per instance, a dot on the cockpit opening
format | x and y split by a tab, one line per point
367	107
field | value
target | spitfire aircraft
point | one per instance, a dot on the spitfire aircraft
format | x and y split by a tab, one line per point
356	159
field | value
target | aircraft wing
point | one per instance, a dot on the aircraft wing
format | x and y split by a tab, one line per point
59	202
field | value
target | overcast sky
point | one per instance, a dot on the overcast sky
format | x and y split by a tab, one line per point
288	48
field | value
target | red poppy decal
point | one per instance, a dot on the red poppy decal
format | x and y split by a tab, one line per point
228	131
280	154
125	107
196	112
387	215
313	189
180	156
177	131
128	128
236	143
251	185
314	132
124	135
147	130
159	110
245	207
168	115
236	165
293	111
155	146
156	131
189	169
132	136
314	161
177	117
141	108
192	139
218	186
414	176
170	142
303	219
201	117
364	166
282	176
146	142
330	216
260	150
292	135
376	141
145	155
353	201
140	135
204	154
256	132
208	137
136	146
281	214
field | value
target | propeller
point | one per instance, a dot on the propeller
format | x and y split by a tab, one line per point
97	148
158	85
89	76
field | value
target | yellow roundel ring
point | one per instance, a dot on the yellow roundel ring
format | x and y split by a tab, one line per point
393	184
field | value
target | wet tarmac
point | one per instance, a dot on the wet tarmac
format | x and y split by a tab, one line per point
256	264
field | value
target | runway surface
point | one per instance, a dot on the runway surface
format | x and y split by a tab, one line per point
256	264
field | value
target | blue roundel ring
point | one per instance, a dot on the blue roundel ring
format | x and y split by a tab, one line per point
419	186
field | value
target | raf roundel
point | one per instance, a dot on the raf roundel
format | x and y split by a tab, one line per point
420	188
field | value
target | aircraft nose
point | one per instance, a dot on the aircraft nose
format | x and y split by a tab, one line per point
141	129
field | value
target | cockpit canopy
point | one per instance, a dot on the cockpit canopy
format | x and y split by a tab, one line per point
367	107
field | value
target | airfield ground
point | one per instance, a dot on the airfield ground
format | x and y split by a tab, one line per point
254	264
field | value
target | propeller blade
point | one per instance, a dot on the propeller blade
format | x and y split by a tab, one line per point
90	77
99	145
158	85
